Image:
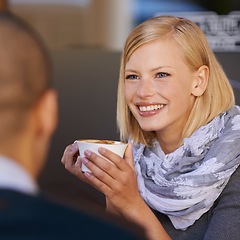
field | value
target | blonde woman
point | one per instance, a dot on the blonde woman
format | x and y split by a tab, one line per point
179	178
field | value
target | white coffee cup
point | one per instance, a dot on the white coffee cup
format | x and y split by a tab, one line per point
93	145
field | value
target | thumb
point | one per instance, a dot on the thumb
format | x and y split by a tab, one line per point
128	156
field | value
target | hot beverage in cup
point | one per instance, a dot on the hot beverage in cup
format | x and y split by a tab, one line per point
93	145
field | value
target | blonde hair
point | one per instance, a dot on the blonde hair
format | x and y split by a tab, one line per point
218	97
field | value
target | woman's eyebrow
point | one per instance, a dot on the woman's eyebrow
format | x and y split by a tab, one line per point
153	69
130	70
160	67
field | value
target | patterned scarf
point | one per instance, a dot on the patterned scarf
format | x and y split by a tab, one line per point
185	183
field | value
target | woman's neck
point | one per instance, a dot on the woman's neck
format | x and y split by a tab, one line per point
169	142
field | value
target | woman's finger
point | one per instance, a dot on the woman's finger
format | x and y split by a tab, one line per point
70	153
98	165
114	159
98	180
105	175
69	158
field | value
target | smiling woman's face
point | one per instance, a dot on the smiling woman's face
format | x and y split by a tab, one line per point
159	86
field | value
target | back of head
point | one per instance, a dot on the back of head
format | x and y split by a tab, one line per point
218	96
24	73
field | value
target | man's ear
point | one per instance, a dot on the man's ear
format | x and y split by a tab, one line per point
200	81
47	112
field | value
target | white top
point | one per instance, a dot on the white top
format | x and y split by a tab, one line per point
15	177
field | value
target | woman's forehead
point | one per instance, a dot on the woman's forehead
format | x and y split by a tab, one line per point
164	50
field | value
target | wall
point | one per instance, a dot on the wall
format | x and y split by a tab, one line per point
88	23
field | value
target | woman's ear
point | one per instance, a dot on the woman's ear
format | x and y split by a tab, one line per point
200	81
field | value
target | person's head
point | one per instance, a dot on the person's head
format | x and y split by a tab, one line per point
168	65
28	104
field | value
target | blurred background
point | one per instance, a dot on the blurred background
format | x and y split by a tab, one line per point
103	23
85	39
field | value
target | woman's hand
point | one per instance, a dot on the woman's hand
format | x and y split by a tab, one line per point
72	162
116	181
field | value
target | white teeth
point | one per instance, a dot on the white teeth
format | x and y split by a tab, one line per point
150	107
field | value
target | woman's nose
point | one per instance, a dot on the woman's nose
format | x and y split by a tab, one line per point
146	88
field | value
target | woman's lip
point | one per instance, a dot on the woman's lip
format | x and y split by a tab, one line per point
147	103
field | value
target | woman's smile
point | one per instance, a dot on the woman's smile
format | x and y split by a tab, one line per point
148	110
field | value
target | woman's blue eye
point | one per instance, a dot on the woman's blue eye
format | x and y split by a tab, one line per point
162	74
131	77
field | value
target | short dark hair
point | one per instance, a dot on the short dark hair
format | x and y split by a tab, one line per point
25	69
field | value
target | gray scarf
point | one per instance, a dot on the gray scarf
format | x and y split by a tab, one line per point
185	183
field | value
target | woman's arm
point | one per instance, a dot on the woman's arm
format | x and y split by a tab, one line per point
143	216
118	183
225	219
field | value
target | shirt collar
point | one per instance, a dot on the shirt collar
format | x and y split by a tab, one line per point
13	176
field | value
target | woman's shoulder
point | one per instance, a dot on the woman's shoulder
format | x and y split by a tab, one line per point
224	217
234	181
231	193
